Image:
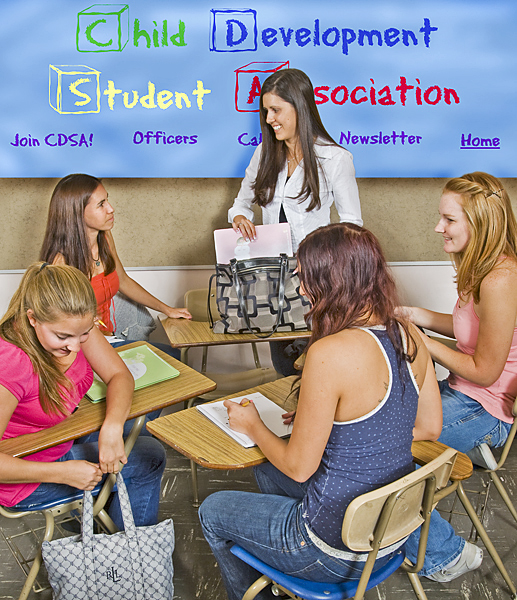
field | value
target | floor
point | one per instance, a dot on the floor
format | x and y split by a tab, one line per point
196	575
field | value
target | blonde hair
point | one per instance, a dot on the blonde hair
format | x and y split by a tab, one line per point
51	292
492	225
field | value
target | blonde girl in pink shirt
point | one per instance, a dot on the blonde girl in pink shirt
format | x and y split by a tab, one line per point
479	230
49	345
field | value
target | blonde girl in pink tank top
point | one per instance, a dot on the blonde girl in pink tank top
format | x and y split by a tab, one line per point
479	232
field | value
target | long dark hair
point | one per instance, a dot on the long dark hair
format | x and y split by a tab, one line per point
293	86
51	292
66	230
347	280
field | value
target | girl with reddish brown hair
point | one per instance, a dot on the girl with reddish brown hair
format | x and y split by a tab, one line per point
367	391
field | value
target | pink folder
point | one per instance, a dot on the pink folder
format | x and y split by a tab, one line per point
271	240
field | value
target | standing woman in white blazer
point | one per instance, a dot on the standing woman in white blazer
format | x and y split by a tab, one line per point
296	173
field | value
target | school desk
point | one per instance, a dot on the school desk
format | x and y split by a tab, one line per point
194	436
185	334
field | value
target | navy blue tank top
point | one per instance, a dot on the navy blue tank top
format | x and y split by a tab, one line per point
366	453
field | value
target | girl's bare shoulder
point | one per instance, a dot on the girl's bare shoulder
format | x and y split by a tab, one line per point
350	346
503	275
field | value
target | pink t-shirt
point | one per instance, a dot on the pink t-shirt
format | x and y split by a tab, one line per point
17	376
497	399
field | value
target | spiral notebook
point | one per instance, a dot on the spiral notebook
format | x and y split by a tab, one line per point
270	413
146	367
271	240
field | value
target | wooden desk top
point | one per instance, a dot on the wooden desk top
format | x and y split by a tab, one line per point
197	438
183	333
89	417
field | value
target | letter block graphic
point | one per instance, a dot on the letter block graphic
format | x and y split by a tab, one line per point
103	28
74	89
249	81
233	30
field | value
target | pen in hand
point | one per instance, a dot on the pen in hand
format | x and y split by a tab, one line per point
245	403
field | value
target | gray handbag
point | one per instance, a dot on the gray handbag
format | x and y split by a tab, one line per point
258	295
135	564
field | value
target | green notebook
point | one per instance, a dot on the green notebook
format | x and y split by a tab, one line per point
145	366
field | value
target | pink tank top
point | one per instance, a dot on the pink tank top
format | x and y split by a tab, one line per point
497	399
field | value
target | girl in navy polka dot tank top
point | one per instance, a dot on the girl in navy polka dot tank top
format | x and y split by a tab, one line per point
368	389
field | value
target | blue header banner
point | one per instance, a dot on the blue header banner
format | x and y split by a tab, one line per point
163	88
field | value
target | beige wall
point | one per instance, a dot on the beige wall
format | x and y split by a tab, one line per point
169	222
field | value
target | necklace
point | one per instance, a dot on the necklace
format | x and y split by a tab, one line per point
293	158
97	261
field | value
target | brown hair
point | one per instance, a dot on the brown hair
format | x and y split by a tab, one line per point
293	86
493	229
347	280
51	292
66	230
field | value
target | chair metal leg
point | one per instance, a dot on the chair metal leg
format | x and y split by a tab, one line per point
195	491
38	560
417	586
204	359
504	494
484	537
184	355
256	356
31	577
256	587
365	576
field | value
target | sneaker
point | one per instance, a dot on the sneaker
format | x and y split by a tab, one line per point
482	457
470	558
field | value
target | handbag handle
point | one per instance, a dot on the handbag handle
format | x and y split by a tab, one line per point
208	307
88	539
283	263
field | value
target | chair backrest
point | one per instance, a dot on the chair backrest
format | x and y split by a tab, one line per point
196	303
397	507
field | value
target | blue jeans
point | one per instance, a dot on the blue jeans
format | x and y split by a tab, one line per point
466	424
142	475
270	526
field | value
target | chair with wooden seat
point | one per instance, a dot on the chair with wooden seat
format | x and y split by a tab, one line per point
373	521
196	301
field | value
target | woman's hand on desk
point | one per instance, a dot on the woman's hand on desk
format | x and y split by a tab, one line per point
242	417
245	227
177	313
